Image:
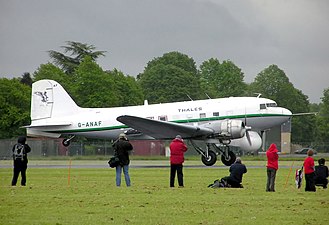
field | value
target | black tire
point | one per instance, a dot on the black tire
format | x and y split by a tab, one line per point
231	159
66	142
211	160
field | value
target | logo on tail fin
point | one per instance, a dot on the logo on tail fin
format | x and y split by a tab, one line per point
44	97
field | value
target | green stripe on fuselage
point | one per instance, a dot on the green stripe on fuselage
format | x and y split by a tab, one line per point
176	121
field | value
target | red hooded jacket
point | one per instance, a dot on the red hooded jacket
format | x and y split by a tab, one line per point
177	149
272	157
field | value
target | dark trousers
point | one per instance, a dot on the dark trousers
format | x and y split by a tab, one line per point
19	168
319	181
310	182
179	169
231	182
271	173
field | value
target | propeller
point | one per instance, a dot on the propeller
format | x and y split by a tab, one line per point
247	128
248	135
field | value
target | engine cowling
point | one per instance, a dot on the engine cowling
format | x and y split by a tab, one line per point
232	129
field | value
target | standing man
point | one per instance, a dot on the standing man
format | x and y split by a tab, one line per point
177	150
272	166
309	171
20	151
122	147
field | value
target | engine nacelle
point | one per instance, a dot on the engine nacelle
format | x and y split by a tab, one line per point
232	129
243	143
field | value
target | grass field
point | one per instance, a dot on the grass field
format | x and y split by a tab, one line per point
93	198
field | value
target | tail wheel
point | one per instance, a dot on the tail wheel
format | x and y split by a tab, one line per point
227	161
210	160
66	142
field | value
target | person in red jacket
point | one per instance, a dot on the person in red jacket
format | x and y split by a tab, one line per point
177	150
272	166
309	171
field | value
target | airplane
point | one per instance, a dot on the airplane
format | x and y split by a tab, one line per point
217	123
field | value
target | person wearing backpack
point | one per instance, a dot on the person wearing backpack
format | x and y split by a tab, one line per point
20	151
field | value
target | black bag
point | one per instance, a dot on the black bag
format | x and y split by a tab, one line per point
114	162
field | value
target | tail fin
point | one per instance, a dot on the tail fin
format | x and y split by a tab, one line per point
50	100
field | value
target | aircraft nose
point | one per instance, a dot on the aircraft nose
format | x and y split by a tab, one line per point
286	112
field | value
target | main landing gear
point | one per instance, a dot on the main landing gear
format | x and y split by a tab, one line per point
209	157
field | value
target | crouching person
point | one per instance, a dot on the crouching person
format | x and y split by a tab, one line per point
237	170
321	174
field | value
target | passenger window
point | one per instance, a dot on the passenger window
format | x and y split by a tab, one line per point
215	114
163	118
202	115
262	106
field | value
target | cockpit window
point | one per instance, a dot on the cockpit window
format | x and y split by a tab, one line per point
271	104
262	106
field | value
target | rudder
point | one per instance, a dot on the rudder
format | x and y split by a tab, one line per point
49	99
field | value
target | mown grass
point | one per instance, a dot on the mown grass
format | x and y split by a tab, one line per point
92	198
161	157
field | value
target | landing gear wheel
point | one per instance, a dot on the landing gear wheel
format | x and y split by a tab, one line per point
66	142
230	160
211	160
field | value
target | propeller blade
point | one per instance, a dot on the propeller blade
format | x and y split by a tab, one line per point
248	137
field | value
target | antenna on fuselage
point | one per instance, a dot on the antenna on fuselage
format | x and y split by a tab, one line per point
189	97
258	95
207	95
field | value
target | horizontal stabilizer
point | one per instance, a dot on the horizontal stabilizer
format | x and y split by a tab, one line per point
49	125
162	129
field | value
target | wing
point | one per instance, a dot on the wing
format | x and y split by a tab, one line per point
164	130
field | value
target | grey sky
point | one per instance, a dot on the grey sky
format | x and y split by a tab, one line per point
254	34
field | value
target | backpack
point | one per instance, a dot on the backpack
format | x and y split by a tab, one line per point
19	152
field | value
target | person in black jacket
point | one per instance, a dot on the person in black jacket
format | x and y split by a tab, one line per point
236	172
321	174
20	151
122	147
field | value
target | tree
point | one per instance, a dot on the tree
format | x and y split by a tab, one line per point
126	89
221	79
177	59
273	83
93	87
76	49
52	72
26	79
14	107
172	77
322	120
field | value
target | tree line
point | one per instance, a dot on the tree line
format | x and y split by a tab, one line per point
173	76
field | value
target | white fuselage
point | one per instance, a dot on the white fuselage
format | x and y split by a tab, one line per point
257	113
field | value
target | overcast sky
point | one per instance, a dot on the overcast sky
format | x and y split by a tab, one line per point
253	34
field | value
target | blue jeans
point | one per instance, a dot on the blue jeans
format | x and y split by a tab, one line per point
118	175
